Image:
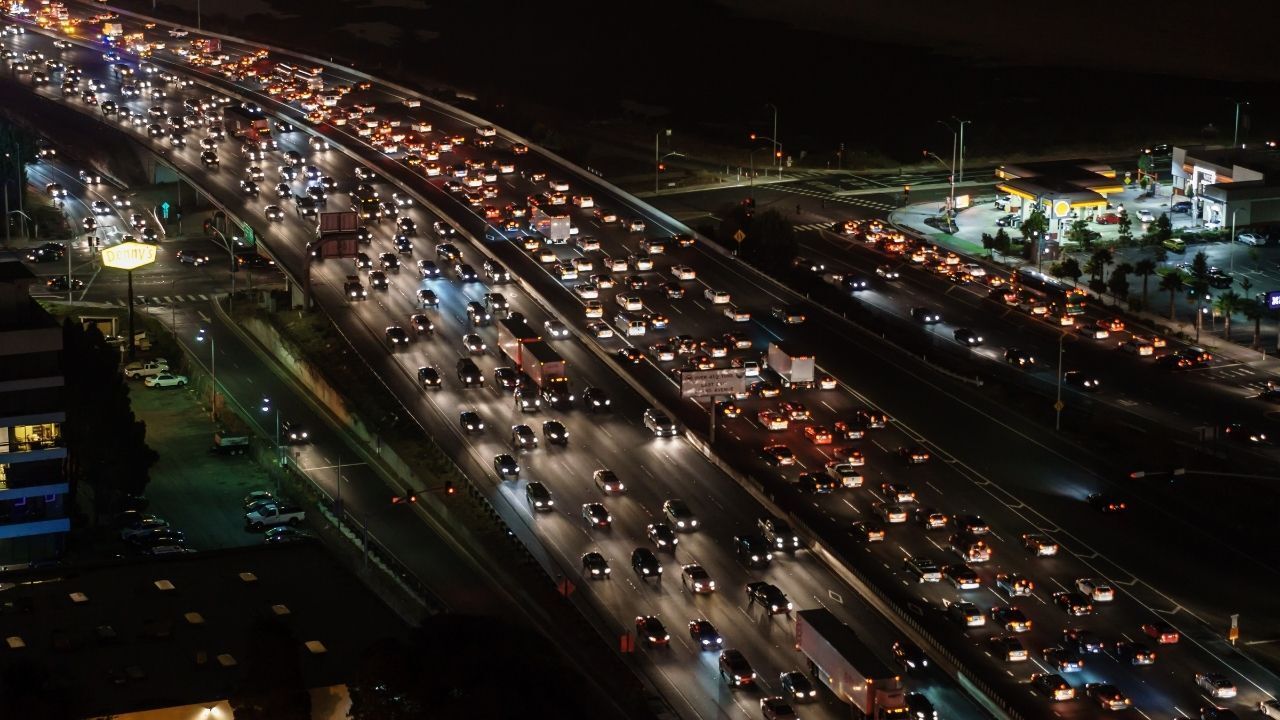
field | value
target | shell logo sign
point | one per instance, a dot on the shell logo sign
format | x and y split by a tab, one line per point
129	255
1061	208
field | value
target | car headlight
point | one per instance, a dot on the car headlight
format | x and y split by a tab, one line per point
679	523
755	558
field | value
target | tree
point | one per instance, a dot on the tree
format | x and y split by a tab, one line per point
1126	228
1172	283
1080	234
1118	283
1227	304
1003	241
15	136
1163	227
1035	226
272	687
1069	268
1254	310
988	244
1144	269
1200	267
107	444
1099	260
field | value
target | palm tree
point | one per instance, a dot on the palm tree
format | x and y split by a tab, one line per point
1255	311
1227	304
1144	269
1118	284
1100	259
1173	284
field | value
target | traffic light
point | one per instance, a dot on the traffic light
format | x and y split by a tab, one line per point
753	136
449	489
778	154
662	167
404	499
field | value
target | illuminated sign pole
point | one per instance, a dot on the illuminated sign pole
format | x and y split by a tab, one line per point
129	256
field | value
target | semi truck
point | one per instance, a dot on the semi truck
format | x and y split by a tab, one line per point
547	370
840	660
553	222
793	368
247	121
535	358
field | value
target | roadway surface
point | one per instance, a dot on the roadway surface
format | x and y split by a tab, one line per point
971	478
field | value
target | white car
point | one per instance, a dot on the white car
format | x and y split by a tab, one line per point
1249	238
600	329
1096	590
165	379
631	303
586	291
717	297
1146	216
683	272
136	370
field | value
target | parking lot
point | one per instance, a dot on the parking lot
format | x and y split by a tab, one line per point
197	491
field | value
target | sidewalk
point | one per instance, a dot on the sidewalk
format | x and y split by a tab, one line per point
981	218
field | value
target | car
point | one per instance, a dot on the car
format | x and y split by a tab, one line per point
143	526
1073	603
677	513
1053	687
696	579
1217	685
1081	381
1245	434
473	344
924	569
845	473
294	432
284	534
968	337
506	466
753	550
788	315
662	536
191	257
925	316
777	455
165	379
705	634
1014	585
1134	653
651	630
914	455
890	512
1269	708
1062	659
735	670
1095	590
818	435
1083	641
1108	696
396	336
1039	545
1008	648
1019	357
897	492
1219	713
909	655
643	561
1011	618
797	686
596	400
1108	218
594	565
522	437
1106	503
378	280
1251	238
965	613
597	516
962	576
777	708
470	421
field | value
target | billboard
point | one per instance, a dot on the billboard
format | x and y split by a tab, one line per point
712	383
129	255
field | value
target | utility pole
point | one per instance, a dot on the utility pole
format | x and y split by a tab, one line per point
777	156
1235	137
962	124
1057	404
657	159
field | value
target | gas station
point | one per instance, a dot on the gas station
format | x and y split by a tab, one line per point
1064	190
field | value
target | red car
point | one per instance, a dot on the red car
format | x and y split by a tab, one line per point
1163	632
1108	219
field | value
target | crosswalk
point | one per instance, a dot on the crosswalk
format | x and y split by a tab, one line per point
814	226
162	300
855	201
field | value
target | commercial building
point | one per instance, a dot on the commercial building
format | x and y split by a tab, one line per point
1224	183
34	517
1063	189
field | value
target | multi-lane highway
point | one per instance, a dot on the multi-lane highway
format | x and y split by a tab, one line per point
984	464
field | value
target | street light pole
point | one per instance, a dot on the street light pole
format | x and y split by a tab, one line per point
657	160
962	124
776	154
1235	137
1232	239
1057	404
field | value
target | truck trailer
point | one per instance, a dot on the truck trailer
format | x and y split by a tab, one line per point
512	333
840	660
793	368
547	370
